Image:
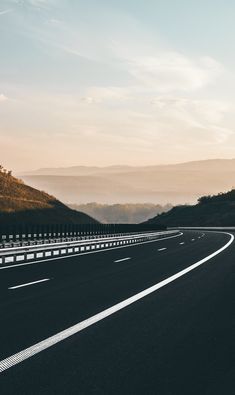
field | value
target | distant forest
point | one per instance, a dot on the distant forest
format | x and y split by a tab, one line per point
121	213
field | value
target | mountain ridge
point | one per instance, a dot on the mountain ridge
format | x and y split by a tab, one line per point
53	170
161	184
211	210
20	203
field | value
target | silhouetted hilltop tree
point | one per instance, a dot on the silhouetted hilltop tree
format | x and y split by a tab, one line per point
221	197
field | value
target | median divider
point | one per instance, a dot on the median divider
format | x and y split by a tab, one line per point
56	250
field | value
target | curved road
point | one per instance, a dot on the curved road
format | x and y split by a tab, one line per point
174	339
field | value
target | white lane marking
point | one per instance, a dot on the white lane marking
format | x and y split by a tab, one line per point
192	239
89	252
162	249
122	260
182	243
50	341
27	284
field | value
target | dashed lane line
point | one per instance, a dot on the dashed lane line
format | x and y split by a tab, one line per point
122	260
27	284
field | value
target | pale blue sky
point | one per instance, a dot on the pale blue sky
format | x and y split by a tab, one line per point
116	82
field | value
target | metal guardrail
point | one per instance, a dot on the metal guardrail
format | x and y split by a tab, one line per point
204	228
59	249
24	232
64	239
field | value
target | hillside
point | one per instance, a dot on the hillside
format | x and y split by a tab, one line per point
218	210
176	184
128	213
20	203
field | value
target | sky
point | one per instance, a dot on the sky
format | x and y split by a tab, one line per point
104	82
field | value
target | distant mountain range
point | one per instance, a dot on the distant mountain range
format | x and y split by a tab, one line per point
20	203
80	170
218	210
177	184
121	213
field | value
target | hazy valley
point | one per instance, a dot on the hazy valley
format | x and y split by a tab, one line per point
22	204
121	213
176	184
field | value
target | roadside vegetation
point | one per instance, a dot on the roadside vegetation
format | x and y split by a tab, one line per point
211	210
22	203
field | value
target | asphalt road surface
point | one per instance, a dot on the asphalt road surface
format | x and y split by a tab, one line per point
158	332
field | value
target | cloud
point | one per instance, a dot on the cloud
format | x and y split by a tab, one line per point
100	94
211	111
54	21
201	121
139	95
3	98
89	100
158	66
3	12
112	112
38	3
172	71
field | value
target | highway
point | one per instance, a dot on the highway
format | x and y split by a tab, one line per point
153	318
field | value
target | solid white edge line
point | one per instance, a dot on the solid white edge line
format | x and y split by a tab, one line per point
49	342
88	252
122	260
31	283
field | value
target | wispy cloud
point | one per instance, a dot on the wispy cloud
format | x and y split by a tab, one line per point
39	4
170	71
3	12
110	84
192	118
109	94
3	98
